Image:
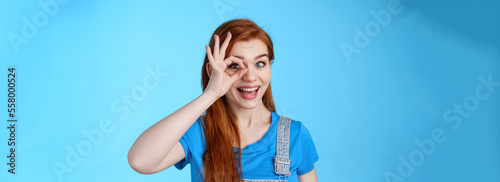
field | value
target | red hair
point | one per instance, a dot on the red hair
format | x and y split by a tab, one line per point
221	129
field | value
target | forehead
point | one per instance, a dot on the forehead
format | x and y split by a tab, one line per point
248	49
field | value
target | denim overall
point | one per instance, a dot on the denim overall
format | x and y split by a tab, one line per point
281	160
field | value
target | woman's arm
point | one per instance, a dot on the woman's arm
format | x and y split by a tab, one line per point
158	147
309	177
154	150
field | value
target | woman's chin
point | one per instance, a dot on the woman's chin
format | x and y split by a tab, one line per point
248	103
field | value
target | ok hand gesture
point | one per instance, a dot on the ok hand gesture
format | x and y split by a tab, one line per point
220	81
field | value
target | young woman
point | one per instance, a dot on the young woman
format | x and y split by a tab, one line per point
231	132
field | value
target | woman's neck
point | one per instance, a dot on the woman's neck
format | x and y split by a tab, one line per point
250	118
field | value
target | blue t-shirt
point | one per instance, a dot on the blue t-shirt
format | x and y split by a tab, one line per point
257	158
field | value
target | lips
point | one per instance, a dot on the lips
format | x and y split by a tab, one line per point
248	92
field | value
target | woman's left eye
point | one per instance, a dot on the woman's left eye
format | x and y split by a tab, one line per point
260	64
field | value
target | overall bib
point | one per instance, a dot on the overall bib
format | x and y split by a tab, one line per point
281	160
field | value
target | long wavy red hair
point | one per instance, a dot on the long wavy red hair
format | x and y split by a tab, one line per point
220	127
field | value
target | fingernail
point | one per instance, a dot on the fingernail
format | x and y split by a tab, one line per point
228	32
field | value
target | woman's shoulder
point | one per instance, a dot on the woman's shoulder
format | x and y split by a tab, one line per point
297	127
302	146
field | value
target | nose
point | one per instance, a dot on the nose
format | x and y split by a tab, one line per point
250	75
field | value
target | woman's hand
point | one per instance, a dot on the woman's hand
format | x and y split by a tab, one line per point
220	81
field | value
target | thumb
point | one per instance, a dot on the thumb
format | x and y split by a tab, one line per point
238	74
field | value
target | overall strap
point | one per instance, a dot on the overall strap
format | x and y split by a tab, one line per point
282	160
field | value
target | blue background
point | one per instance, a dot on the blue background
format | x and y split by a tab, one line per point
364	114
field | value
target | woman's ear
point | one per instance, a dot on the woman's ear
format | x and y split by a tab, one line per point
209	69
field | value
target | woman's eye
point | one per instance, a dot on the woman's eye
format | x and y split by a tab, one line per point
234	66
260	64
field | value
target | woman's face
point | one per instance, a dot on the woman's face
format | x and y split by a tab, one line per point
247	91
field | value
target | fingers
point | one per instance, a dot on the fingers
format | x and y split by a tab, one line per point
231	59
220	52
216	47
238	74
209	54
224	45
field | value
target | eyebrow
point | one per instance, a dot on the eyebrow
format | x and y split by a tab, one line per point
256	57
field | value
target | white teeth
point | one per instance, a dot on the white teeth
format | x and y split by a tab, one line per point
249	89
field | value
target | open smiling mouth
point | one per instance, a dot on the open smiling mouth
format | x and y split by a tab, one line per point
248	92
